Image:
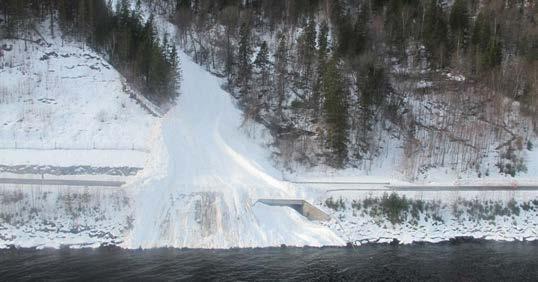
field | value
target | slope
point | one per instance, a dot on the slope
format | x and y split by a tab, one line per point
60	100
210	177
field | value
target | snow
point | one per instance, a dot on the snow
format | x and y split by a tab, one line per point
361	226
214	174
61	100
47	216
206	168
455	77
59	157
424	84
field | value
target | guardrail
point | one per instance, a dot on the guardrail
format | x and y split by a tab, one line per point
419	188
49	147
62	182
340	182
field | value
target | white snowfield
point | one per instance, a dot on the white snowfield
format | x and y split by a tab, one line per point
199	190
63	104
211	176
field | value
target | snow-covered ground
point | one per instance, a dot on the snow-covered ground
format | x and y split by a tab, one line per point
62	157
206	169
48	216
212	175
198	189
59	100
360	217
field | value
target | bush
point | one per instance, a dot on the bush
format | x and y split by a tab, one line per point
394	207
335	205
417	207
369	202
526	206
513	207
356	205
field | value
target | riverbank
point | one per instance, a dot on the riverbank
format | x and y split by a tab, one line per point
432	216
89	217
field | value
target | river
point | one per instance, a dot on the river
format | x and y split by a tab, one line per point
465	260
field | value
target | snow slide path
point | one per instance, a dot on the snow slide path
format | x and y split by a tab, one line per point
202	190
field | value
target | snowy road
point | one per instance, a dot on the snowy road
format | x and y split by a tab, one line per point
439	188
463	188
62	182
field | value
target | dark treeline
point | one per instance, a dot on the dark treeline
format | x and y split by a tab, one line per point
131	45
318	72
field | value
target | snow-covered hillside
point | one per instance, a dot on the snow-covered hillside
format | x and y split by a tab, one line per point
60	100
212	174
205	167
436	124
199	188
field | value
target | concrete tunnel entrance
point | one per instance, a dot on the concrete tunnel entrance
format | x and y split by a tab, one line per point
301	206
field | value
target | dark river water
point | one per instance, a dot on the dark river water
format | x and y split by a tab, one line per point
463	261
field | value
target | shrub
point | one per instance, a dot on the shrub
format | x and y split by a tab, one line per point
356	205
513	207
369	202
394	207
526	206
417	207
335	205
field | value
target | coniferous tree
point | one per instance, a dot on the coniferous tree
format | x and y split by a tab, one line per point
323	50
183	4
481	31
436	33
361	29
459	22
343	27
373	84
244	65
323	42
281	72
372	88
175	63
335	113
493	54
486	44
14	17
263	78
306	51
394	23
51	19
